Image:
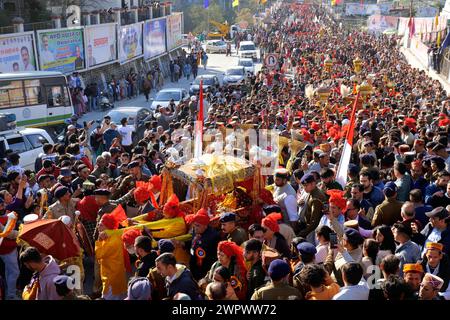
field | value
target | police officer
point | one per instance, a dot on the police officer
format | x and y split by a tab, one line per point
278	288
230	228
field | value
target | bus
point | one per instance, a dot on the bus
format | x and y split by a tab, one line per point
37	98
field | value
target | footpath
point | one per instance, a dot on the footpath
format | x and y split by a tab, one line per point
413	61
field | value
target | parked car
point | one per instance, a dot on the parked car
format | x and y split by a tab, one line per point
248	65
210	82
233	76
26	142
216	46
137	116
165	95
247	49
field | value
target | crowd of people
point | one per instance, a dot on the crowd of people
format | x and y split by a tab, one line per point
384	235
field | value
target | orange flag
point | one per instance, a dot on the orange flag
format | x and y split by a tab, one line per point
119	214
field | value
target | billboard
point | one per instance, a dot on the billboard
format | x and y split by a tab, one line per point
367	9
154	38
130	42
17	52
379	24
61	50
100	44
174	30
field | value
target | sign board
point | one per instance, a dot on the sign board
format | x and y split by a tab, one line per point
130	42
154	38
17	52
100	44
271	60
61	50
174	31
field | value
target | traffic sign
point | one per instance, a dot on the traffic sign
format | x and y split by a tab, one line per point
271	60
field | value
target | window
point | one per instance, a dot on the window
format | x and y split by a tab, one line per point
33	92
36	140
11	94
55	96
17	144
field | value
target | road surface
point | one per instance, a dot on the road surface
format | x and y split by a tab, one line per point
217	64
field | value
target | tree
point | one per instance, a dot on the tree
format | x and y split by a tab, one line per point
196	17
245	15
36	11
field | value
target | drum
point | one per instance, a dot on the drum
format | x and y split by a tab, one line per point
83	238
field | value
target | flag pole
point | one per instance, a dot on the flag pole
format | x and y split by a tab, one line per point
341	171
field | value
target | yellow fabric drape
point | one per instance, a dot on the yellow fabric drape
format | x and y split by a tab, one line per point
110	257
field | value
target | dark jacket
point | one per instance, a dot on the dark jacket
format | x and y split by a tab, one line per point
183	283
145	264
256	278
444	270
282	246
445	237
313	212
364	223
208	242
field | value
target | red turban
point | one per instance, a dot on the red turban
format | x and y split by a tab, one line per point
271	221
201	217
337	198
141	194
411	123
231	249
156	182
110	222
129	236
172	207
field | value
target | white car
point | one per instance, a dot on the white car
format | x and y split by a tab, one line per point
247	49
164	96
216	46
234	76
248	65
27	142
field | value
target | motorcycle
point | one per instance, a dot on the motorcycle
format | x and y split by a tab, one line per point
104	101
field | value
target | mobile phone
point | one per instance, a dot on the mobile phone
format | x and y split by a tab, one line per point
333	240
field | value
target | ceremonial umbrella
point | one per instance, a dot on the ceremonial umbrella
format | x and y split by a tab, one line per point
52	237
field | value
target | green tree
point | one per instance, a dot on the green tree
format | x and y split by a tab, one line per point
245	15
36	11
196	17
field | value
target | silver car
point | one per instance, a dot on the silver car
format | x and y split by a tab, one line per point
164	97
137	116
248	65
216	46
234	76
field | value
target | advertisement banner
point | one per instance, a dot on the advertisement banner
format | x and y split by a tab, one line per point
100	44
379	24
154	38
17	52
353	9
130	42
174	29
61	50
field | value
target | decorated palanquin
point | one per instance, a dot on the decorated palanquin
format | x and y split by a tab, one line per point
217	183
